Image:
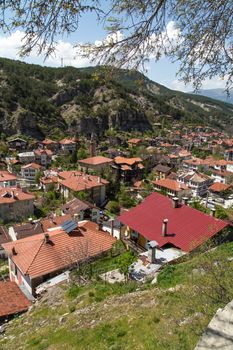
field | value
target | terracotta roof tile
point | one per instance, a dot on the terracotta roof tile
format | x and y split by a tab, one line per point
96	160
6	176
48	142
67	141
4	236
219	187
54	221
12	299
171	184
32	165
127	161
78	181
39	152
11	195
36	257
134	141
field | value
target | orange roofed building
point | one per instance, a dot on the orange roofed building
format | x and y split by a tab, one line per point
173	188
76	181
7	179
35	259
15	204
68	146
128	169
96	163
29	171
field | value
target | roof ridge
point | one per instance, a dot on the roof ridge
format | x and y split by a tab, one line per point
42	241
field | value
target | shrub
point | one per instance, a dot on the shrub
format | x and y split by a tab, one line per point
73	291
114	207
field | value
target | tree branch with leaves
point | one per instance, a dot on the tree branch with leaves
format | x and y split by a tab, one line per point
197	34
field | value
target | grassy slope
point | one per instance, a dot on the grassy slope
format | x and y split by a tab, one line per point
99	316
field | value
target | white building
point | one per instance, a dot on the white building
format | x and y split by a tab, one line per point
197	182
29	171
26	157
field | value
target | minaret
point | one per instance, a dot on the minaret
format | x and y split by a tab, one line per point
92	148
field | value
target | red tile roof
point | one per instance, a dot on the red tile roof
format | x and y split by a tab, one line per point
32	165
6	176
187	227
171	184
4	236
166	144
134	141
194	161
138	184
54	221
219	187
96	160
125	167
128	161
78	181
48	142
35	257
12	300
67	141
39	152
12	194
49	180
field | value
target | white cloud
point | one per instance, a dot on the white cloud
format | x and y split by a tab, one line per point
165	41
70	54
179	85
10	47
207	84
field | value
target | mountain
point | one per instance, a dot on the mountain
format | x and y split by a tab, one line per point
43	101
217	94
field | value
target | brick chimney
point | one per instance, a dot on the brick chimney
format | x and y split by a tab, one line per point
175	202
14	251
46	237
164	227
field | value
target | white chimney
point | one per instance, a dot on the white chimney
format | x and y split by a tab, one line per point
151	251
76	217
212	212
185	200
164	227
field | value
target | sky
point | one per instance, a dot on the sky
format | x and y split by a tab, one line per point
163	71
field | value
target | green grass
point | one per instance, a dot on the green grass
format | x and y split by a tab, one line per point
100	266
99	291
101	316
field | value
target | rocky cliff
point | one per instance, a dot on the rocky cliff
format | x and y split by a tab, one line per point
41	101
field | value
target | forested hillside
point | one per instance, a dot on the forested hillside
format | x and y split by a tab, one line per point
41	101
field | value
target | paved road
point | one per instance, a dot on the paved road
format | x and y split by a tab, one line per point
219	333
